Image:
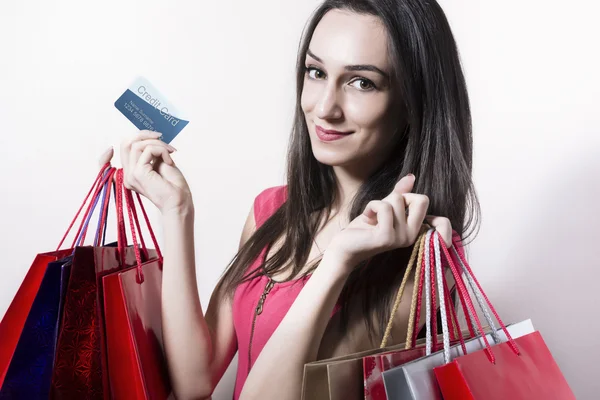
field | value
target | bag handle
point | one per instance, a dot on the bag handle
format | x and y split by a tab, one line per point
446	307
95	190
419	304
428	287
400	292
417	291
480	302
434	261
453	318
461	287
479	293
102	220
83	228
133	223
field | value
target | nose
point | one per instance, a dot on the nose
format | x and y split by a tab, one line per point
328	106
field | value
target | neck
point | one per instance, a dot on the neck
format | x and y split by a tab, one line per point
348	184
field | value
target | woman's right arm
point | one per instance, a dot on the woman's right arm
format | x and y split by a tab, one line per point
198	347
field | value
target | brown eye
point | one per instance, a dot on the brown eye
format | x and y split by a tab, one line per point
314	73
364	84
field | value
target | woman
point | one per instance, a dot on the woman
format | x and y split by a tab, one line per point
381	143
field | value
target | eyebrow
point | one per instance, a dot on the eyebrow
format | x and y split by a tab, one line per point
360	67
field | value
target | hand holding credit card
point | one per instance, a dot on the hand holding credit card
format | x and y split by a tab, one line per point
149	109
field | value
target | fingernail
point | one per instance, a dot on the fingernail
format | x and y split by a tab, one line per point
172	148
410	176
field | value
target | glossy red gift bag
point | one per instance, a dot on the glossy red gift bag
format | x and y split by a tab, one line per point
132	303
519	369
14	318
80	368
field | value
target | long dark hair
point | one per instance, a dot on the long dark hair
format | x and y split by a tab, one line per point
436	147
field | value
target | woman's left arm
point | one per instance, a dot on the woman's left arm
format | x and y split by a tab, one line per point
277	372
384	225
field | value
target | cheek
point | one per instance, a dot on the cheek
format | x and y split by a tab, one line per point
309	97
368	112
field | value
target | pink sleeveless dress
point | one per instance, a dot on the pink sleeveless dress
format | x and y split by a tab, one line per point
277	301
253	333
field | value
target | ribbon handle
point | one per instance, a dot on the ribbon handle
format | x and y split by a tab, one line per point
93	192
469	304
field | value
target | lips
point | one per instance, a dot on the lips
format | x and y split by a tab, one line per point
328	135
331	131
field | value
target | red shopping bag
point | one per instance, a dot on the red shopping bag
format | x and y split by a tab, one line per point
132	303
80	368
521	368
14	318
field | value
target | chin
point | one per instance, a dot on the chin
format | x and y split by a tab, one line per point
331	157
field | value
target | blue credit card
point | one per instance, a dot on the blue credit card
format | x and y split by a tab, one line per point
149	109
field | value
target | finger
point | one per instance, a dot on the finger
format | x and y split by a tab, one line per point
127	143
156	153
384	214
396	201
443	226
404	185
139	147
417	205
106	157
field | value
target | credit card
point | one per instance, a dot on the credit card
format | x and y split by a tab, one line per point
149	109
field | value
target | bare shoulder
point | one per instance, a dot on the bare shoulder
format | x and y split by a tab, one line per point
249	227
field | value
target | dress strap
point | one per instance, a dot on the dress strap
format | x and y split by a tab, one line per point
268	202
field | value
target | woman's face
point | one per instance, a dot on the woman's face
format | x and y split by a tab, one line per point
347	89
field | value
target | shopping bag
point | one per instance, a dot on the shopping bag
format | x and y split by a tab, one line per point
80	368
375	365
132	304
520	368
417	379
30	370
14	319
16	314
342	377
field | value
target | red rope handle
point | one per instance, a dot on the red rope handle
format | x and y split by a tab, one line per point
83	226
138	256
107	165
419	302
511	342
463	304
454	318
157	248
105	205
121	235
451	321
131	205
463	290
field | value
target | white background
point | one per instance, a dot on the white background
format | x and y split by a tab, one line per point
531	68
